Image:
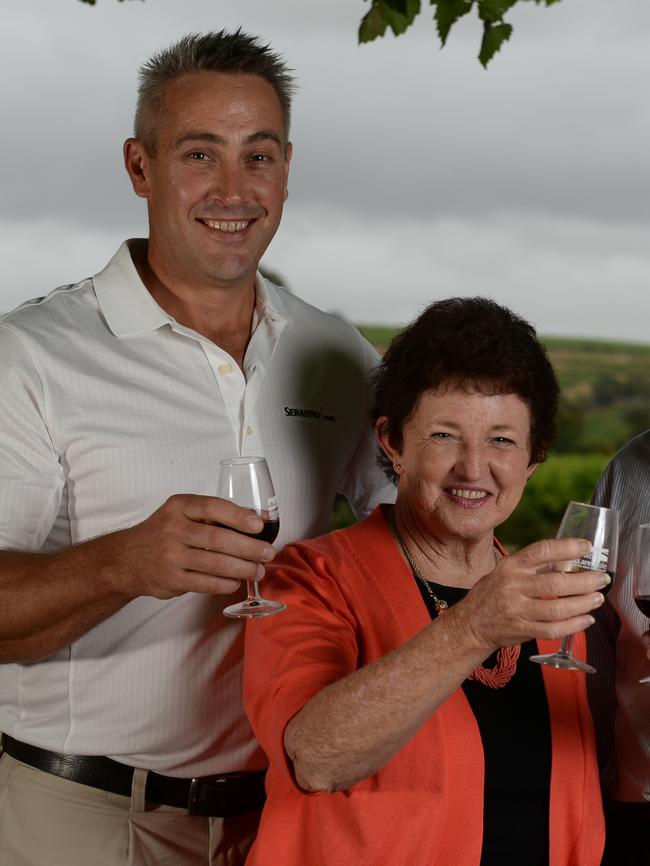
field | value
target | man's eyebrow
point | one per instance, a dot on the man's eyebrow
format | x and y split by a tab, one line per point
264	135
212	138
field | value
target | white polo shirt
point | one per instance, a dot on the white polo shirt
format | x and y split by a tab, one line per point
109	406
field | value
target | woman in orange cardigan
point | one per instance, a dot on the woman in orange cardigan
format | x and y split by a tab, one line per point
403	721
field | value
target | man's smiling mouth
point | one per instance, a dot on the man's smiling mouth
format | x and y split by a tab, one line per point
227	226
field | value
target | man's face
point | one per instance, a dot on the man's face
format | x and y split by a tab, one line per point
217	181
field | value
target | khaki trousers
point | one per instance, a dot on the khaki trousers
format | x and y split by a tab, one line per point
49	821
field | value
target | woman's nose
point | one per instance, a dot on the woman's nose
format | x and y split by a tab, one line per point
471	462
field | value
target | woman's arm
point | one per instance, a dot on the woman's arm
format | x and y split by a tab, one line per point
353	726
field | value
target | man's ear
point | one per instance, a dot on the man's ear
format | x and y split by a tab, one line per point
136	162
288	155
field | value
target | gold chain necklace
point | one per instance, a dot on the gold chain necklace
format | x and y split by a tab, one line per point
506	662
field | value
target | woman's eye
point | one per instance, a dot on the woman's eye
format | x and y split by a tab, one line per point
503	440
441	436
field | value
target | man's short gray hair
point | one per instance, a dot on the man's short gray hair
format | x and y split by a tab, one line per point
228	53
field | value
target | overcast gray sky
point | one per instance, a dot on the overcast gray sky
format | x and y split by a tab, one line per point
417	174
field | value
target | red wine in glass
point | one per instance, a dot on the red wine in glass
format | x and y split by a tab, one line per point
247	481
643	603
269	531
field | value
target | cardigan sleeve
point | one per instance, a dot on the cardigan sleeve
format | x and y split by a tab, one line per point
292	656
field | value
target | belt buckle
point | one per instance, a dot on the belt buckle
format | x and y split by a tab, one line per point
193	797
195	805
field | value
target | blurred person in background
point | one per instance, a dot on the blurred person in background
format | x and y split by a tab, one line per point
621	705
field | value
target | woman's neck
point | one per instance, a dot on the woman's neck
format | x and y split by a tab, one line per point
448	560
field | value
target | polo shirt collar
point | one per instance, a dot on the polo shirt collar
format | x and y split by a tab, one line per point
129	309
268	302
123	299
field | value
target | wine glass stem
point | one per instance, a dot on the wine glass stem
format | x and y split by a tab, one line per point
565	646
253	591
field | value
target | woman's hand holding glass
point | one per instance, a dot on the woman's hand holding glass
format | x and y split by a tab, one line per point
523	598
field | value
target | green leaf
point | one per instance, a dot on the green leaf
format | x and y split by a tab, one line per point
494	35
447	14
408	8
399	21
373	24
493	11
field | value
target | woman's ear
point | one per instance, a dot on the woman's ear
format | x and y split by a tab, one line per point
386	443
531	471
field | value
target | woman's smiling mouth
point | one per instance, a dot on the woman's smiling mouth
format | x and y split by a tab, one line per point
468	497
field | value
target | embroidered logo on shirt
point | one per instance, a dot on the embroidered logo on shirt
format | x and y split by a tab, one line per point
315	414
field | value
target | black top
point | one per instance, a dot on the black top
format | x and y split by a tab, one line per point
516	736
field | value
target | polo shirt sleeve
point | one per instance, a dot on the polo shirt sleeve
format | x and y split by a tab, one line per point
31	476
364	483
292	656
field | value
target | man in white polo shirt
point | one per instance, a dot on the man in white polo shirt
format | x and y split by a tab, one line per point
120	395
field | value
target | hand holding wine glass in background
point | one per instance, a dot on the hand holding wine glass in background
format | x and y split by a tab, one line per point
247	482
600	527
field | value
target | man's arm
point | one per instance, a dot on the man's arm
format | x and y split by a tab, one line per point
51	599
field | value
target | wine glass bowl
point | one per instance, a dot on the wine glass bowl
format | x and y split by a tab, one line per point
641	575
599	526
247	482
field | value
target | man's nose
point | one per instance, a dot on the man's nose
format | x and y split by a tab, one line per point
230	185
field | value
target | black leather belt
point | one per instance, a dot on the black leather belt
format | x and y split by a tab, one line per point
217	796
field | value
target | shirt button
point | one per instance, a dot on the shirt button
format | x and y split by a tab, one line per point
249	430
225	368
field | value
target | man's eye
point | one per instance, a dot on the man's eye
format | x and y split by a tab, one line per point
503	440
198	156
441	436
260	157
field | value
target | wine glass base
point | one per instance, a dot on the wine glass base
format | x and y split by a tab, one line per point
645	681
253	608
565	661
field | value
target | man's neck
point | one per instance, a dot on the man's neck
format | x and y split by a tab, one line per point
223	316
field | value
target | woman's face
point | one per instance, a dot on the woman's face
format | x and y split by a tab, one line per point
464	461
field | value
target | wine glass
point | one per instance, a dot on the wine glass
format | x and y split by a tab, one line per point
600	527
641	572
247	481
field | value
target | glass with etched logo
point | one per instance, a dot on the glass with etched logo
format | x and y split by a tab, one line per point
247	481
600	527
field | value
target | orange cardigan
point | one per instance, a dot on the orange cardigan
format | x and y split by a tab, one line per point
351	600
